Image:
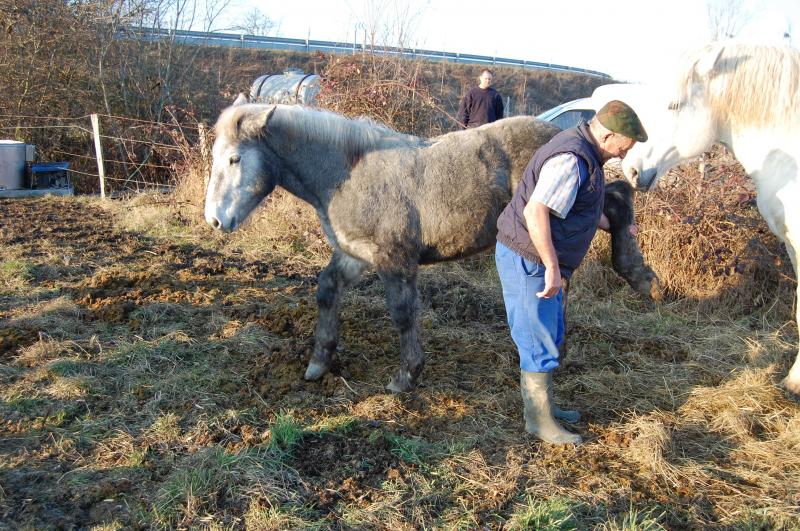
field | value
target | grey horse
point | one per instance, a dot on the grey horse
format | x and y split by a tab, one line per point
385	199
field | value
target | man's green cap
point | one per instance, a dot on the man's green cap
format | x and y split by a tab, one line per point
619	118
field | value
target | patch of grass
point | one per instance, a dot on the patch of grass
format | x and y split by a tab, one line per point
149	356
27	406
16	273
554	514
282	517
66	368
90	430
284	433
111	526
343	424
136	458
165	427
413	450
80	479
146	214
635	520
758	520
195	486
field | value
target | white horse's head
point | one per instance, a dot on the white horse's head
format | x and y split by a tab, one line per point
679	126
244	169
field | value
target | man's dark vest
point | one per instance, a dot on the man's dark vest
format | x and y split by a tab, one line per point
573	234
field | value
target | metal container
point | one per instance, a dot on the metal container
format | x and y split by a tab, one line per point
12	164
291	87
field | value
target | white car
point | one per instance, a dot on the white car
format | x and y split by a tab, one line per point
569	114
573	112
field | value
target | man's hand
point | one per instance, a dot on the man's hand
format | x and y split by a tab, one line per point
604	224
552	282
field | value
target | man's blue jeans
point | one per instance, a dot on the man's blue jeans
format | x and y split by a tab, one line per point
537	324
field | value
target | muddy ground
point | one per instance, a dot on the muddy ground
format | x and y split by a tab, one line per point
154	380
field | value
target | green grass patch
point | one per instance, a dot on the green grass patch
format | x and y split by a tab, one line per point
16	273
66	368
80	479
285	432
342	424
166	427
194	487
635	520
554	514
415	450
283	517
27	406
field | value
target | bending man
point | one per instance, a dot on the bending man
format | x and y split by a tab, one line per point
543	235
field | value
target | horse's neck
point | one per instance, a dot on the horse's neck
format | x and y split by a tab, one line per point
762	152
315	166
312	170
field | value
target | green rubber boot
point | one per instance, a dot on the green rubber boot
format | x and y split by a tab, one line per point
537	396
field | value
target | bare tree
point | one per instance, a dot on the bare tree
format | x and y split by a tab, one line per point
726	18
388	23
255	22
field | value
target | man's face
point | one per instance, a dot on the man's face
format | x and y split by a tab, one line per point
486	80
618	145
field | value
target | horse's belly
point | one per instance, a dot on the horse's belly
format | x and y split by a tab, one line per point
460	235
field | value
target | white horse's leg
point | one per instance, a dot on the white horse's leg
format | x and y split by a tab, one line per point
792	381
784	221
341	272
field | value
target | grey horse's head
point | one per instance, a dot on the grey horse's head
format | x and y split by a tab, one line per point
244	169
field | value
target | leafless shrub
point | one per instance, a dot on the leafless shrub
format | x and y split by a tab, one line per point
391	90
705	239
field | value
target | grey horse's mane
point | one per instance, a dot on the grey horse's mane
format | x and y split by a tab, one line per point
303	124
751	84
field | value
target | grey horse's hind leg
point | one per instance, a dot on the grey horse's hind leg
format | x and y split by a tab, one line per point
401	297
341	272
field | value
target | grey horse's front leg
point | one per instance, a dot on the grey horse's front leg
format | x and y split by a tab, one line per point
341	272
401	297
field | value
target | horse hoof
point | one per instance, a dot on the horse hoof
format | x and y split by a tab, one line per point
397	386
792	385
656	292
315	370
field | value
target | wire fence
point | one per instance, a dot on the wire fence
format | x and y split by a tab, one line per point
135	155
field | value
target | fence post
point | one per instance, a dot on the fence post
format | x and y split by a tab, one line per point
98	149
201	132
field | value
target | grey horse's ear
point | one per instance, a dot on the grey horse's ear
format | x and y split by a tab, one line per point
705	64
255	124
240	100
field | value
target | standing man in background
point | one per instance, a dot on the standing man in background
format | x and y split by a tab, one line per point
482	104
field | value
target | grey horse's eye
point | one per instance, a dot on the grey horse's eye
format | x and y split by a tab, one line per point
235	159
674	106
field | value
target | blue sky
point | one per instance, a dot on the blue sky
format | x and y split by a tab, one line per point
632	40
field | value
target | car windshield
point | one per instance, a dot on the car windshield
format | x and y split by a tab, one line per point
569	114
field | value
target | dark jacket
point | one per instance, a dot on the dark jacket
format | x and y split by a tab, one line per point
573	234
480	106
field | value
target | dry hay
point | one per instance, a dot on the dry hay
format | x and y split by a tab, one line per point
702	235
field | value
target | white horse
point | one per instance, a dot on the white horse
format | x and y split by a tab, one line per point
746	97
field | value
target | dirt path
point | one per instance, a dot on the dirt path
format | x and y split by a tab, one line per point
155	381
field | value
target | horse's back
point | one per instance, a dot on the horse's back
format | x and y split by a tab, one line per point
467	178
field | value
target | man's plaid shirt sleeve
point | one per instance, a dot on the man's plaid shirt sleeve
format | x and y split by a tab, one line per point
558	184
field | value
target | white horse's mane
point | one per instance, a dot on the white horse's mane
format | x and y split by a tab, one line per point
750	85
304	124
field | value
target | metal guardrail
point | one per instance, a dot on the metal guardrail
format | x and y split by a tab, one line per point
201	38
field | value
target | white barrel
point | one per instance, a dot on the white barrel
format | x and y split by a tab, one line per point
12	164
291	87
